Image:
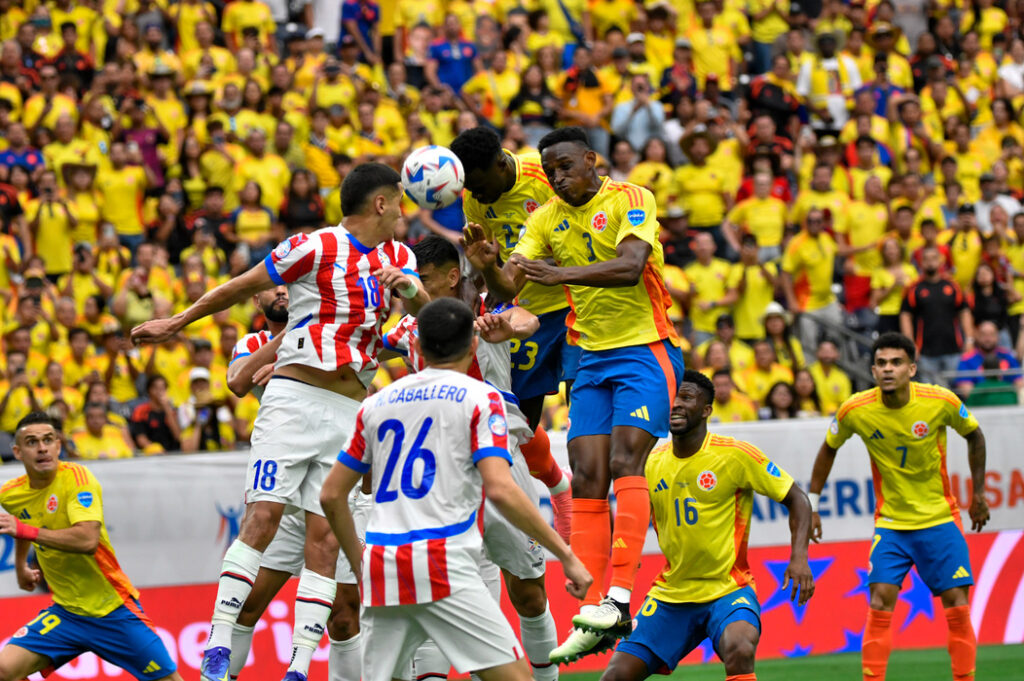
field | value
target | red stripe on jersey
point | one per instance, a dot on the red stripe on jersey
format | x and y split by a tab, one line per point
303	267
377	576
406	579
356	307
474	370
325	279
357	448
474	443
437	562
538	176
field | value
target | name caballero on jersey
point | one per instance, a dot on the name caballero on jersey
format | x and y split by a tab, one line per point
450	393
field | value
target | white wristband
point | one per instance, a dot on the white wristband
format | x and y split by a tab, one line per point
409	291
815	499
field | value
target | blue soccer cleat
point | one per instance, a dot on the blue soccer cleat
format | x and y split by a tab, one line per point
216	664
293	675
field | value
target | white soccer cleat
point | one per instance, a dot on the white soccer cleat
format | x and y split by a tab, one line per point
580	644
608	619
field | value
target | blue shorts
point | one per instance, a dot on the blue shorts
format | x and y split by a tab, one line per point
665	632
124	637
545	359
939	553
631	386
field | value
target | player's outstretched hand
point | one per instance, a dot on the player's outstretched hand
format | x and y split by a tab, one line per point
815	528
494	328
539	271
978	512
577	579
799	579
154	331
8	524
480	252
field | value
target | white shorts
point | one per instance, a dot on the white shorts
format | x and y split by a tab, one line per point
286	552
298	433
468	628
505	544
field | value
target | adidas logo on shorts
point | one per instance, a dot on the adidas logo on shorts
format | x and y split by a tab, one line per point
961	573
641	413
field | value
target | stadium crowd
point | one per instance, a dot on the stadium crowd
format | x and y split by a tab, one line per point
820	169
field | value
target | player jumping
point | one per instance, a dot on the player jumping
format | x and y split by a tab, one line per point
520	558
95	608
702	490
437	441
252	364
340	282
917	519
502	191
603	236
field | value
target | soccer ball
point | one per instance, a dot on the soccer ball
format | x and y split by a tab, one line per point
433	177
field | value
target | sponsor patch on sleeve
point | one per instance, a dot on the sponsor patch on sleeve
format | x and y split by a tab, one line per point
636	217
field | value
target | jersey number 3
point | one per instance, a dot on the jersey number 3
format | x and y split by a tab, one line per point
416	453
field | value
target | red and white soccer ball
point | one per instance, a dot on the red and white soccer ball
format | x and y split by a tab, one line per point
433	177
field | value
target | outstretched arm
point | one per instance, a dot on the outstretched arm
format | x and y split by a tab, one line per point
976	457
503	282
625	269
82	537
242	371
224	296
822	467
798	573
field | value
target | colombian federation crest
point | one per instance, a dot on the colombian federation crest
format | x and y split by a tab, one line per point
920	428
530	205
599	221
52	503
707	480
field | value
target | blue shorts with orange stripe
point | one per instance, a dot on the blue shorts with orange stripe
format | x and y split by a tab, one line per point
631	386
124	637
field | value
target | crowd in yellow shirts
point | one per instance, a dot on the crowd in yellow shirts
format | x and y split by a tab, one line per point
807	161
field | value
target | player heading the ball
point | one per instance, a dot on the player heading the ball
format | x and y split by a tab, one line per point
436	441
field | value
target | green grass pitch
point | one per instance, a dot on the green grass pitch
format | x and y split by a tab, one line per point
995	663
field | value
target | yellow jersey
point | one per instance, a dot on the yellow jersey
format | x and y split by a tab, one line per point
109	444
709	282
865	226
504	221
738	408
833	388
810	261
756	383
907	447
605	318
702	506
91	585
754	298
764	218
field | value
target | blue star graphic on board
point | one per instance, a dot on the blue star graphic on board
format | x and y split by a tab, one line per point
854	640
919	598
862	589
778	570
707	651
798	651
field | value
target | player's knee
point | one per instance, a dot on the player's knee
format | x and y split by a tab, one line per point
955	597
528	597
259	524
624	464
343	623
738	653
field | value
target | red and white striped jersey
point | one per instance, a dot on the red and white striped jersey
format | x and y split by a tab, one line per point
336	306
247	345
423	436
250	343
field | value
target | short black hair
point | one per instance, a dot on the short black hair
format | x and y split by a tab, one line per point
574	134
897	341
76	331
435	250
445	329
477	148
722	372
362	182
36	418
701	381
153	378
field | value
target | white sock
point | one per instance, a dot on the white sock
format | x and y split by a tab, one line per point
619	594
313	601
238	572
539	639
241	642
562	485
429	662
345	663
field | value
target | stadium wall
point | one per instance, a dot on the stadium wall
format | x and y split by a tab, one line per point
171	518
